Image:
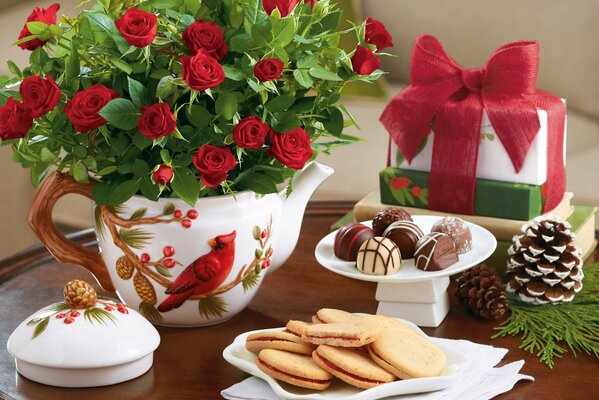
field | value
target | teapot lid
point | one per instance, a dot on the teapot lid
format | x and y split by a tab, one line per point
83	332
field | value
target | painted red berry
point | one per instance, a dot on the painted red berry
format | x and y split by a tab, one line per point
60	316
69	320
264	264
263	234
120	305
186	223
192	214
178	214
270	253
109	308
168	251
123	310
74	314
168	262
145	257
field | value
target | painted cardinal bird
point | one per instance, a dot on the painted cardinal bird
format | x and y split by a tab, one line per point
204	274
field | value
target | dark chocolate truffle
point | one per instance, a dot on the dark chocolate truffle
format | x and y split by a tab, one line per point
386	217
378	256
349	238
459	231
405	234
435	251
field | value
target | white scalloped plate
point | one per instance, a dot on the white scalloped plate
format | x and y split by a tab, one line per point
483	245
237	355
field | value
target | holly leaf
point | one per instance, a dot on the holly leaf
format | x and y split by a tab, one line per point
121	113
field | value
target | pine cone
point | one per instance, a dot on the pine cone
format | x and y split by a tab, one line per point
79	294
144	289
124	268
544	265
481	291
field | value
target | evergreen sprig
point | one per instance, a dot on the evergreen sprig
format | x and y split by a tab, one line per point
549	331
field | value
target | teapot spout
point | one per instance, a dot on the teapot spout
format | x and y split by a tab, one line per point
305	184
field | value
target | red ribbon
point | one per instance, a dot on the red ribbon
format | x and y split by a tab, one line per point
454	98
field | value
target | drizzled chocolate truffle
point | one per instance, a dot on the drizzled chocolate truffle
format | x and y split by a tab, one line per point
379	256
459	231
386	217
405	234
349	238
435	251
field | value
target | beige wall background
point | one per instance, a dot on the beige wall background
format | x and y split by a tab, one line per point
470	31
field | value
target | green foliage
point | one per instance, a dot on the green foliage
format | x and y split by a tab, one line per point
88	49
212	307
99	315
549	331
136	238
150	312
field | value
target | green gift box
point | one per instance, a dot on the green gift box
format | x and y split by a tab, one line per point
492	198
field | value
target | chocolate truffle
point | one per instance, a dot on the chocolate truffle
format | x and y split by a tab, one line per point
349	238
379	256
386	217
405	234
435	251
459	231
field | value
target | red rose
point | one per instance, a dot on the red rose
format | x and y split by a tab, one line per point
202	71
312	3
137	27
250	133
39	14
15	120
399	183
214	164
162	175
416	192
157	121
291	149
285	6
39	95
364	61
377	34
82	110
207	36
268	70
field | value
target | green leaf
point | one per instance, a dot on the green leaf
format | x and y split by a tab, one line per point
79	173
166	87
38	27
260	183
321	73
122	65
121	113
148	189
136	90
186	186
40	327
150	312
280	103
12	67
47	156
226	105
169	209
99	315
334	124
285	122
139	213
234	73
256	232
124	192
303	78
135	237
212	307
107	170
162	270
163	4
250	281
199	116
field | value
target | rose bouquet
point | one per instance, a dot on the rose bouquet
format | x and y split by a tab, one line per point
183	98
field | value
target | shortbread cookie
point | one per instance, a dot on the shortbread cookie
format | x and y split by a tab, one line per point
342	334
331	315
351	366
407	354
385	322
296	369
286	341
296	327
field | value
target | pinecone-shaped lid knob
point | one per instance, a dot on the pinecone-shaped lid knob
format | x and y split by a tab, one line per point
481	291
79	294
544	265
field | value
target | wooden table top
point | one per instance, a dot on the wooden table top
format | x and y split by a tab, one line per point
189	365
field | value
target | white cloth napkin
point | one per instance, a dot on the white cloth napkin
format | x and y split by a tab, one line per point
481	379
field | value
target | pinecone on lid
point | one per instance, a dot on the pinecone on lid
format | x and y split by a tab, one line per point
481	291
79	294
544	266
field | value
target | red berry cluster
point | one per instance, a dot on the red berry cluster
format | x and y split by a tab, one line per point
119	306
68	317
266	263
167	261
186	222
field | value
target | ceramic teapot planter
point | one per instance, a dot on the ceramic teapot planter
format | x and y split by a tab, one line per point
178	265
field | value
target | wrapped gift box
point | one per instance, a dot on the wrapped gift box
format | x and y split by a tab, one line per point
493	161
492	198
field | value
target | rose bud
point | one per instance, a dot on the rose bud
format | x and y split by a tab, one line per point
137	27
250	133
292	149
157	121
82	110
377	34
214	164
364	61
162	175
39	14
39	95
202	71
312	3
15	120
207	36
268	70
285	7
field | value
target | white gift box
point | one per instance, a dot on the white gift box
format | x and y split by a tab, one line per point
493	160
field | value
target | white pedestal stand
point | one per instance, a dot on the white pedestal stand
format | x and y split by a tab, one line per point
425	303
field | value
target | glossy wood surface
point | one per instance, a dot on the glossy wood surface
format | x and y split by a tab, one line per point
188	364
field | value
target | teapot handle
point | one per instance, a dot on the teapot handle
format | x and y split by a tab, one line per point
40	220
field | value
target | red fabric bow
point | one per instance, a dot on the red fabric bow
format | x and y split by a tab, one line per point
454	98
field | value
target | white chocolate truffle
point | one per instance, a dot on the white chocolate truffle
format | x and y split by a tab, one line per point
379	256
